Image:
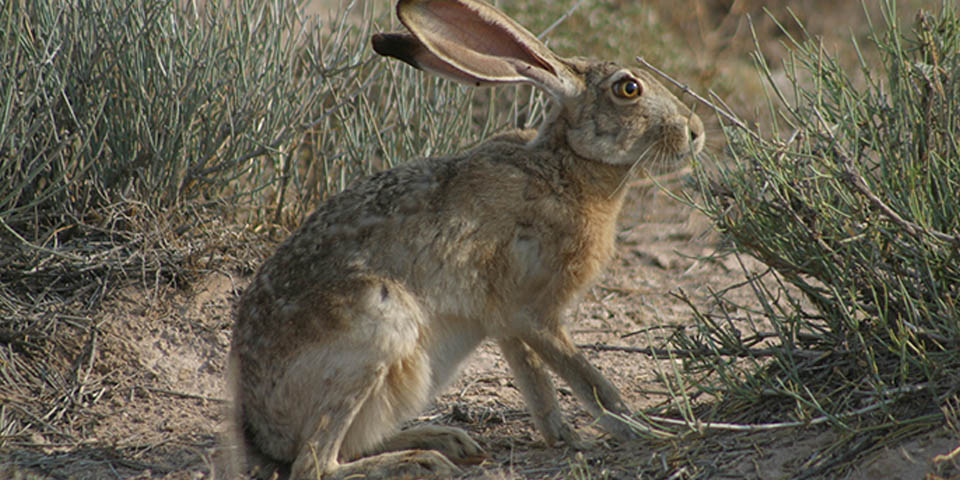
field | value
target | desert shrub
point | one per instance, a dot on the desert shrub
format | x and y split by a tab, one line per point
852	198
167	104
144	100
118	113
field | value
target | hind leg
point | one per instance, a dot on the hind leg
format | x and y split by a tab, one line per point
391	465
324	428
318	455
368	381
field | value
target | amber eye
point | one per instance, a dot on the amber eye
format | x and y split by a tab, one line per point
627	88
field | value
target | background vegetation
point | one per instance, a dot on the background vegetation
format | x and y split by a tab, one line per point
851	195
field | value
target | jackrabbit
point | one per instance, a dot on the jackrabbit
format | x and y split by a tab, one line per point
365	313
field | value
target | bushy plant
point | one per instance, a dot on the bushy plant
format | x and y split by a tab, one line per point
143	100
166	103
852	197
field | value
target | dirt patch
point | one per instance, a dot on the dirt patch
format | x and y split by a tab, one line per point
160	358
160	362
923	457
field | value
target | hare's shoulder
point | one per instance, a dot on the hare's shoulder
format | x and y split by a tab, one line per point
406	189
431	186
397	208
329	246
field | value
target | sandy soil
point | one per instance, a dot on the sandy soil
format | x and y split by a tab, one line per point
160	402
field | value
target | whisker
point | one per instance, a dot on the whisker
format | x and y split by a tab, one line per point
626	176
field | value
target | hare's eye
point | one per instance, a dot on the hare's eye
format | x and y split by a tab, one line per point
627	88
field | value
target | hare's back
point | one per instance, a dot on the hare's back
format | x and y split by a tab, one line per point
429	226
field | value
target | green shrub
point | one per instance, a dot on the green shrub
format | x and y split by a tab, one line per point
117	113
141	100
853	197
106	100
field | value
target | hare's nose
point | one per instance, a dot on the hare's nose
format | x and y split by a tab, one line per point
695	126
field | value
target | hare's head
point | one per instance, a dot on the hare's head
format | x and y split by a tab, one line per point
605	112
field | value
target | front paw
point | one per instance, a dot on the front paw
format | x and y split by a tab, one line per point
557	431
618	425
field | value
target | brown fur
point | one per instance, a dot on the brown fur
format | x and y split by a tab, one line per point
367	310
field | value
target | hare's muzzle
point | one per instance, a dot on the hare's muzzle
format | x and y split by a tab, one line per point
697	136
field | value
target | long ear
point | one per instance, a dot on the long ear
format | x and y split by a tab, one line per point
472	42
406	47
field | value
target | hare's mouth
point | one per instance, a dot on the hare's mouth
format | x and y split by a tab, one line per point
653	165
659	161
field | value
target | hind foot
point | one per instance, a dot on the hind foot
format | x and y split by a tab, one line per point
452	442
391	465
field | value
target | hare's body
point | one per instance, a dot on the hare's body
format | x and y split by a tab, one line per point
367	311
416	278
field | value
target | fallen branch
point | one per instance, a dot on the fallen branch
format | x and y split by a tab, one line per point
757	427
191	396
699	352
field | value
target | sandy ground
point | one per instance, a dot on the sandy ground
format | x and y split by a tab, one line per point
159	376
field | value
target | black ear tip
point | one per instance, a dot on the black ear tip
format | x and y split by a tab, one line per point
401	46
380	42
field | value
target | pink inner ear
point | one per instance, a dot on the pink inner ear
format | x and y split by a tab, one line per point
467	27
